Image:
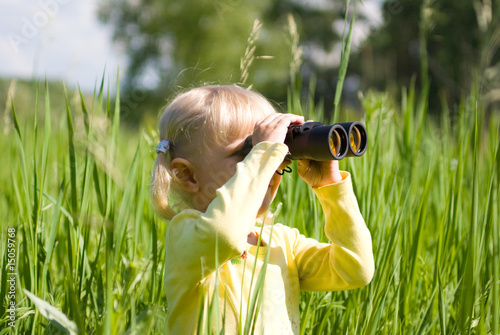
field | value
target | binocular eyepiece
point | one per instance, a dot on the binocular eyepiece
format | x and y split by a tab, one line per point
315	141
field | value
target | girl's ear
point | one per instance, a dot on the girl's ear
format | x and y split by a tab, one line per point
183	171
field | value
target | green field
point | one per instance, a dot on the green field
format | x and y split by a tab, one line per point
83	252
75	198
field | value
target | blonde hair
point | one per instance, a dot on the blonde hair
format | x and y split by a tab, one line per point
194	122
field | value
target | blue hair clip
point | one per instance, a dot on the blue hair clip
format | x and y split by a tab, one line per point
163	146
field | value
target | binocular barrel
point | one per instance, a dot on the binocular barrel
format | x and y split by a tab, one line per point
315	141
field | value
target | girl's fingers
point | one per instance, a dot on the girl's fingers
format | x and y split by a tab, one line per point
274	127
277	118
318	174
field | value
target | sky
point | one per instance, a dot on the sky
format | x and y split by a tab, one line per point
63	40
57	39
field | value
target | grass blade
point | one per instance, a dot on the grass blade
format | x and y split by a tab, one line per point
56	317
344	60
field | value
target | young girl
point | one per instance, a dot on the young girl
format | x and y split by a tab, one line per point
212	190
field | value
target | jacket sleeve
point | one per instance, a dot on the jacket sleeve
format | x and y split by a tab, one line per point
200	242
347	262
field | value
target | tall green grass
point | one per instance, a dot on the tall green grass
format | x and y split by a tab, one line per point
90	250
88	243
76	190
428	190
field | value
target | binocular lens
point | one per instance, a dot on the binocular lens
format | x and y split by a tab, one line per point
355	138
335	142
358	139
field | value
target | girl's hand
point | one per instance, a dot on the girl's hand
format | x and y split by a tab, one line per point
274	127
318	174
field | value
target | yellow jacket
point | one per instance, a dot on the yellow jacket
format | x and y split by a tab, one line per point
208	253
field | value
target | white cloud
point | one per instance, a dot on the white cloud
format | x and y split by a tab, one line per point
57	39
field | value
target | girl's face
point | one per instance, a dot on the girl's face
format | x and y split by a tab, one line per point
219	165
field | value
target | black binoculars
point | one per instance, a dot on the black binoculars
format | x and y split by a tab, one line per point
315	141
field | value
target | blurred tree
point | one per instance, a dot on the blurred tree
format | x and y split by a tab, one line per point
455	46
175	35
184	43
181	43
